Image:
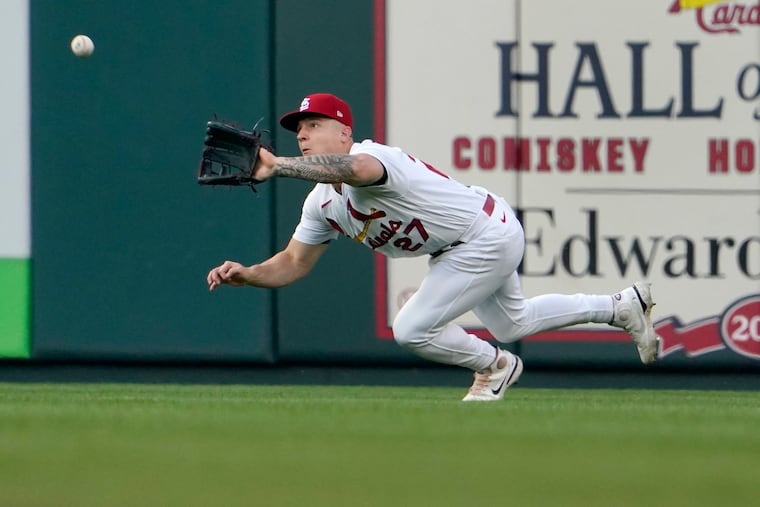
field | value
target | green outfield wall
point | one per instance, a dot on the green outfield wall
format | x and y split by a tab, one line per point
122	237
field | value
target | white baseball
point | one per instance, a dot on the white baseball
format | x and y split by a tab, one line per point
82	46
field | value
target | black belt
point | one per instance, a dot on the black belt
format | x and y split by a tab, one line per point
445	249
488	207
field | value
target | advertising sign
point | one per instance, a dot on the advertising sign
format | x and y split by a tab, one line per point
625	134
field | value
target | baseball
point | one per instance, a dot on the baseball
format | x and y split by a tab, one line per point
82	46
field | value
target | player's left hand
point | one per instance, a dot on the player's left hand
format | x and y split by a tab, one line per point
229	273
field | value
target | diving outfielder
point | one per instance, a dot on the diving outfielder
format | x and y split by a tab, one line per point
396	204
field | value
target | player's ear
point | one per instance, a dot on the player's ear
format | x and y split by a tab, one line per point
347	132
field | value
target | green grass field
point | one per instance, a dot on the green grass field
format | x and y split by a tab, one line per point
130	445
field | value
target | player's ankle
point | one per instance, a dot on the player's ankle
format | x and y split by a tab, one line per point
500	362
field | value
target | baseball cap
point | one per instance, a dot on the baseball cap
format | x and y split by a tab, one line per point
320	104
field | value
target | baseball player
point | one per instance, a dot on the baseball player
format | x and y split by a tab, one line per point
394	203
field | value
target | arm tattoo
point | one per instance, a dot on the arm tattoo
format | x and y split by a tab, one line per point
318	168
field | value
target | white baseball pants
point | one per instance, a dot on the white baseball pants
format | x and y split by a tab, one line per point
481	275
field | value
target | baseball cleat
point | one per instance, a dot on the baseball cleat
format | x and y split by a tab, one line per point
491	383
633	312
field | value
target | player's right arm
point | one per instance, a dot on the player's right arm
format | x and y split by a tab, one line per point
355	170
284	268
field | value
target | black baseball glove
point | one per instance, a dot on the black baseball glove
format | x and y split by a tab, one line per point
229	155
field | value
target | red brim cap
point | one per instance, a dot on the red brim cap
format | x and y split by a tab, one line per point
318	104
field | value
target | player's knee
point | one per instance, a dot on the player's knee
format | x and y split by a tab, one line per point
519	318
407	332
515	325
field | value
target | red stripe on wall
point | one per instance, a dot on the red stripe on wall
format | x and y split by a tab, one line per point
382	330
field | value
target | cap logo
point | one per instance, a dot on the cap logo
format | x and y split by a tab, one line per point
340	114
305	104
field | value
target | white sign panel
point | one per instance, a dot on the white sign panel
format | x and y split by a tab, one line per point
14	130
627	135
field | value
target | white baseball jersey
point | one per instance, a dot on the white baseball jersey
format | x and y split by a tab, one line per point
418	210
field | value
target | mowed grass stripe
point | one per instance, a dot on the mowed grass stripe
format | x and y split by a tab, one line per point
126	445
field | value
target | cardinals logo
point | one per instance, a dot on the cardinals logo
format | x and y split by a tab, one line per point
720	16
